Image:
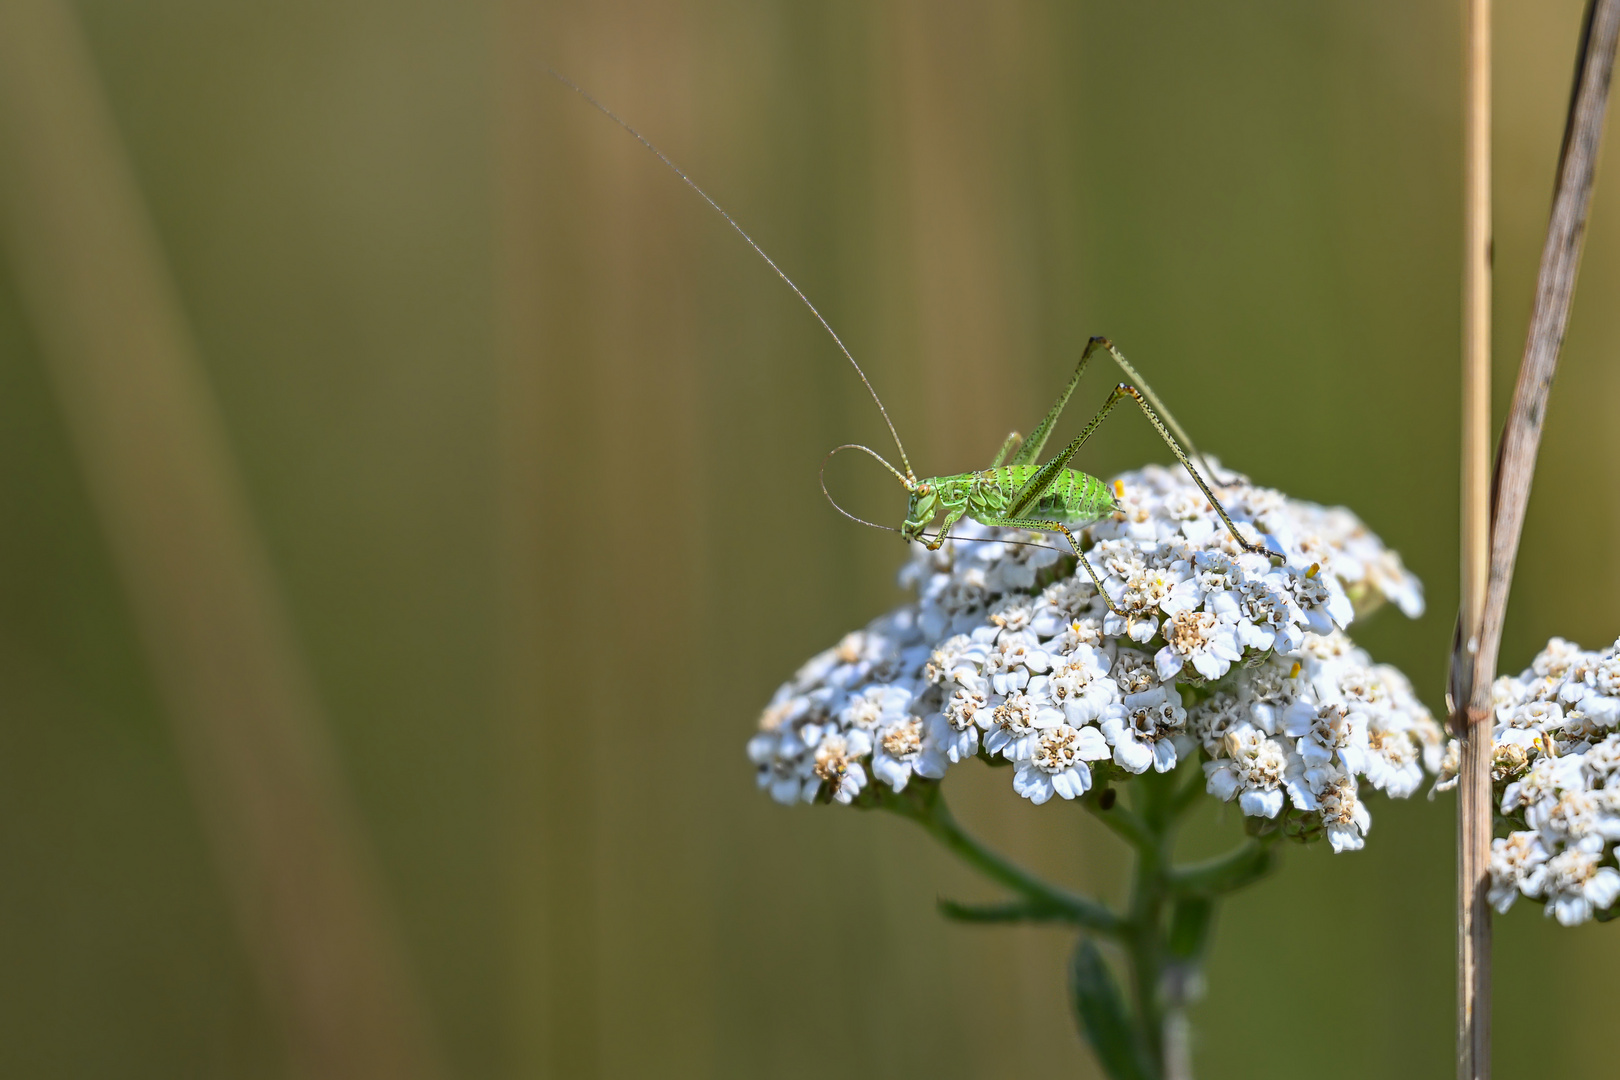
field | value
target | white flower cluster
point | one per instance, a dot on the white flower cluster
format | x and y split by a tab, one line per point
1555	756
1009	653
1313	731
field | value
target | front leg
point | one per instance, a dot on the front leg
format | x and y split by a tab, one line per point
952	516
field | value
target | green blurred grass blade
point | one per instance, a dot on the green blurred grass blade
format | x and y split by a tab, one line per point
314	915
1102	1015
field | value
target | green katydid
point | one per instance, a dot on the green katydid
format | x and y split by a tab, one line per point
1016	493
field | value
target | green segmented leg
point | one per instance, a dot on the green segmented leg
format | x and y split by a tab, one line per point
1032	448
951	518
1001	455
1048	526
1140	383
1037	484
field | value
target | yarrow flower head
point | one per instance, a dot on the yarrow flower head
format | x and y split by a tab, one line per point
1200	650
1555	767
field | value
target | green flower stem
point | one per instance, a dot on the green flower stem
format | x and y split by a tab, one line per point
1122	822
1145	923
1012	911
1164	932
1189	792
923	803
1226	873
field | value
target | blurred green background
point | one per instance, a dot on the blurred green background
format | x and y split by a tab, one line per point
529	441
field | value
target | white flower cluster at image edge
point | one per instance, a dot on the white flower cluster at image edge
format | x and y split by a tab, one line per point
1554	762
1009	652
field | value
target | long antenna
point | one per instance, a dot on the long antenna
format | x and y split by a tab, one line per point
840	509
617	119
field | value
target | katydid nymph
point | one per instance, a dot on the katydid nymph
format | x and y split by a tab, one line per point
1016	491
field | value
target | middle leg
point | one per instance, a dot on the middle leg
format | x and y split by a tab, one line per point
1049	526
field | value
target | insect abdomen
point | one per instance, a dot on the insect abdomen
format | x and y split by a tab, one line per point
1073	497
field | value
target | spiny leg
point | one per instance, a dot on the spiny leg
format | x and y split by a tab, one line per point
1048	526
1181	455
1013	439
1147	391
1044	477
952	516
1037	439
1032	448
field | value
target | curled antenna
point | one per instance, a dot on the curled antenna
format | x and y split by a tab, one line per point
905	483
617	119
840	509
